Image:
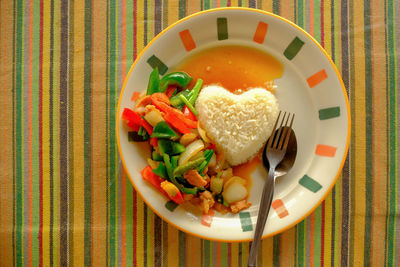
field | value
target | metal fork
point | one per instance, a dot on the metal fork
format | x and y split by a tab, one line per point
274	151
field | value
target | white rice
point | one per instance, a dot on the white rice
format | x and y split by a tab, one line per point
238	124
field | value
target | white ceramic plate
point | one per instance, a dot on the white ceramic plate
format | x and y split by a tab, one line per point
310	87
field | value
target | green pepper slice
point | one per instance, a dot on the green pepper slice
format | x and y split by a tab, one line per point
161	171
207	157
176	101
163	130
169	147
154	82
188	166
178	78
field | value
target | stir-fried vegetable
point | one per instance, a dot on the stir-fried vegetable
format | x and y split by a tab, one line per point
183	158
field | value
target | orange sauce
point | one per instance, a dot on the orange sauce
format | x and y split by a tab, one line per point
246	169
233	67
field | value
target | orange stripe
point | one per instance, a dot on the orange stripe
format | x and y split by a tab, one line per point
187	40
318	77
30	134
260	33
325	151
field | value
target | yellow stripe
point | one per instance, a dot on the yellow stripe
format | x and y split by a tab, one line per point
173	243
359	142
327	27
78	77
46	134
6	164
267	251
99	181
173	11
234	254
379	135
338	219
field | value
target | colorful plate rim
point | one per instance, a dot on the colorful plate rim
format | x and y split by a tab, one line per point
334	68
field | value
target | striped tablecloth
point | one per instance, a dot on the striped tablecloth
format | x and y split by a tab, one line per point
64	199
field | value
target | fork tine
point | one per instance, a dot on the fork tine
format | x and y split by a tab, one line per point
288	134
285	129
278	134
273	131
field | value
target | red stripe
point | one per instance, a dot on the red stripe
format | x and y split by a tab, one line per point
41	139
123	219
323	233
134	219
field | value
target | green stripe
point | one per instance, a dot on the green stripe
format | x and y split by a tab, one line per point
207	4
276	7
245	221
182	9
87	134
293	48
111	131
368	130
301	239
317	20
129	220
300	13
129	36
317	236
276	250
206	250
19	134
309	183
155	62
329	113
182	248
222	27
392	144
35	133
224	255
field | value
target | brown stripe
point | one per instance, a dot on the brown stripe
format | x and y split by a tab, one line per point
51	140
70	132
63	133
157	241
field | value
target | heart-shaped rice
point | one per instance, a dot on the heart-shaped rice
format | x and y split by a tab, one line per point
238	124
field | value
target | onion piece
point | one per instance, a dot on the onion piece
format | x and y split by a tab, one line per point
235	192
202	133
191	150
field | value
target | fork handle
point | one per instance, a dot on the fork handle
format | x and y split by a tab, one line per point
265	205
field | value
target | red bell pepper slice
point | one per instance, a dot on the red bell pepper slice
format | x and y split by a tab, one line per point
153	179
153	141
170	90
176	123
147	126
189	114
173	112
160	97
132	119
178	198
